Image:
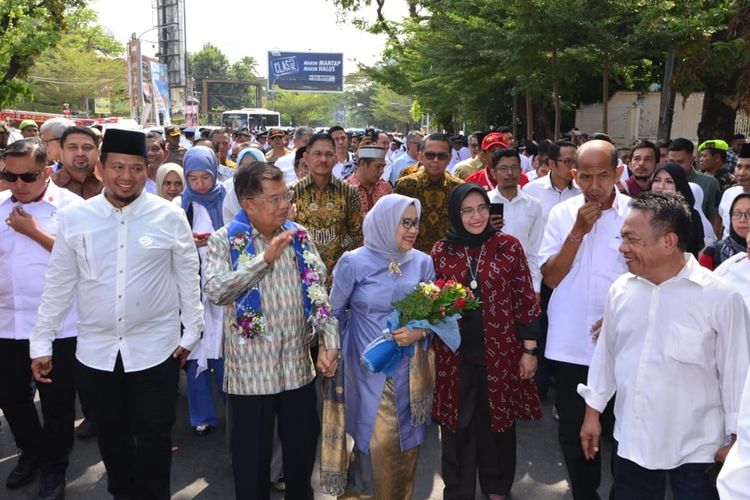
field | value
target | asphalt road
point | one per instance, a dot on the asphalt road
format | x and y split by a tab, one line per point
201	469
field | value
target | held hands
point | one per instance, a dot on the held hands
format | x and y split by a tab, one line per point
591	431
328	361
22	222
721	454
405	337
181	353
588	214
527	366
276	246
41	368
596	329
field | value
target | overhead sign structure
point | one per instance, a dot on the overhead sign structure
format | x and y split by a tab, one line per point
306	71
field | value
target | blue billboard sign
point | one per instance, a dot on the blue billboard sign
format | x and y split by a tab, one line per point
306	71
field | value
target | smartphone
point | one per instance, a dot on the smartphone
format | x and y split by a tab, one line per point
496	209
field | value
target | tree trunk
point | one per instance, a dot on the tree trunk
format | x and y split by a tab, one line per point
529	116
666	105
605	93
513	126
556	92
717	118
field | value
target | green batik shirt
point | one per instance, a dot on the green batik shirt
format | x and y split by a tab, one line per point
434	196
332	217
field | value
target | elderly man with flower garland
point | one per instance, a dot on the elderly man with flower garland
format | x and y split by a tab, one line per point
269	275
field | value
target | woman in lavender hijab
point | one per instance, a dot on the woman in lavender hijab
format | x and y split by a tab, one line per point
386	416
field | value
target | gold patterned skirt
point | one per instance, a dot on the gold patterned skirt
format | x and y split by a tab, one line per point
386	473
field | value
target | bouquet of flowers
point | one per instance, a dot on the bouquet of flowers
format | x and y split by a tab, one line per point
435	306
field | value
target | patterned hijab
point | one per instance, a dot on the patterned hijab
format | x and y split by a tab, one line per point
381	224
203	159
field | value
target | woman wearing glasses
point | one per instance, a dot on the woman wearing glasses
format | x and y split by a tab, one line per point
386	415
483	388
202	200
736	242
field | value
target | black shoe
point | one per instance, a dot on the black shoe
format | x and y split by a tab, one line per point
201	430
86	429
52	486
24	471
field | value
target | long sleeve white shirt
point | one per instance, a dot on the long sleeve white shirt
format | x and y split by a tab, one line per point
522	218
134	273
548	195
676	354
578	300
734	480
23	263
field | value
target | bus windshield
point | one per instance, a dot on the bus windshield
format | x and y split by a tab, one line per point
237	120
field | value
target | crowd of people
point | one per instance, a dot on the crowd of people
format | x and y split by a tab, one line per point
260	262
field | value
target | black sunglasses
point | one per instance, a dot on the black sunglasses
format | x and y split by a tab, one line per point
28	177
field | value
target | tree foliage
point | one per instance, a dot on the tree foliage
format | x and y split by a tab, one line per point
463	61
84	64
27	28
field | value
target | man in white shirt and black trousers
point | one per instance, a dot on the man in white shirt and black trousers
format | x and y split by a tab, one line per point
28	223
580	261
130	259
674	346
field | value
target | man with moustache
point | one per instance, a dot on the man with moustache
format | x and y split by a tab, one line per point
157	153
643	161
175	151
28	223
674	346
80	152
130	260
580	261
50	133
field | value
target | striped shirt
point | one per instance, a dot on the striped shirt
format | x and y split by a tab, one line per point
260	366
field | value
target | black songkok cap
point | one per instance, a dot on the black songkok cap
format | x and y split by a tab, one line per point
129	142
745	152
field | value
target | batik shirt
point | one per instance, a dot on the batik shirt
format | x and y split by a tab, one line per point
434	197
332	217
368	196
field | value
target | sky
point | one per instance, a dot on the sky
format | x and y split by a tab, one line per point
253	28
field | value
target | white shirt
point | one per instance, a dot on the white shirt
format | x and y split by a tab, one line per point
23	263
231	205
578	301
709	236
725	205
522	217
340	166
676	354
150	186
286	164
134	272
548	195
734	478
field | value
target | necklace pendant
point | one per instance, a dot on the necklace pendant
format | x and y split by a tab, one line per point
473	284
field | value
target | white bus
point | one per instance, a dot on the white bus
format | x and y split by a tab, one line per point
252	118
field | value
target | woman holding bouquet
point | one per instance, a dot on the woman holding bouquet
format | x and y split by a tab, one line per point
483	388
386	415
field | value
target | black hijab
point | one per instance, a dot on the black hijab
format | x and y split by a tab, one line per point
696	242
457	233
732	233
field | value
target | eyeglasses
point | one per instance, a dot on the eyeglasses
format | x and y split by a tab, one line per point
47	141
28	177
320	154
409	223
568	162
507	169
277	137
276	199
470	211
741	215
431	155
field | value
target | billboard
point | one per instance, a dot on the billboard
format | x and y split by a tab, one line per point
306	71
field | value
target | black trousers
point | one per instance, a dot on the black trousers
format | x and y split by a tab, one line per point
53	441
252	436
134	413
474	447
585	475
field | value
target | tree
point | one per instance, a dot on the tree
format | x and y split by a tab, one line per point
209	63
27	28
244	69
85	63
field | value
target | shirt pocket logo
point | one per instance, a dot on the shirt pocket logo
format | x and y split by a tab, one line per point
145	241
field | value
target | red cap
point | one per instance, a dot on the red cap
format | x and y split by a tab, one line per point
494	139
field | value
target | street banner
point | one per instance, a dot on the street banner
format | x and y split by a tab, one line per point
306	71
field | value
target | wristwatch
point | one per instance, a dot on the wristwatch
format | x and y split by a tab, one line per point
531	352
